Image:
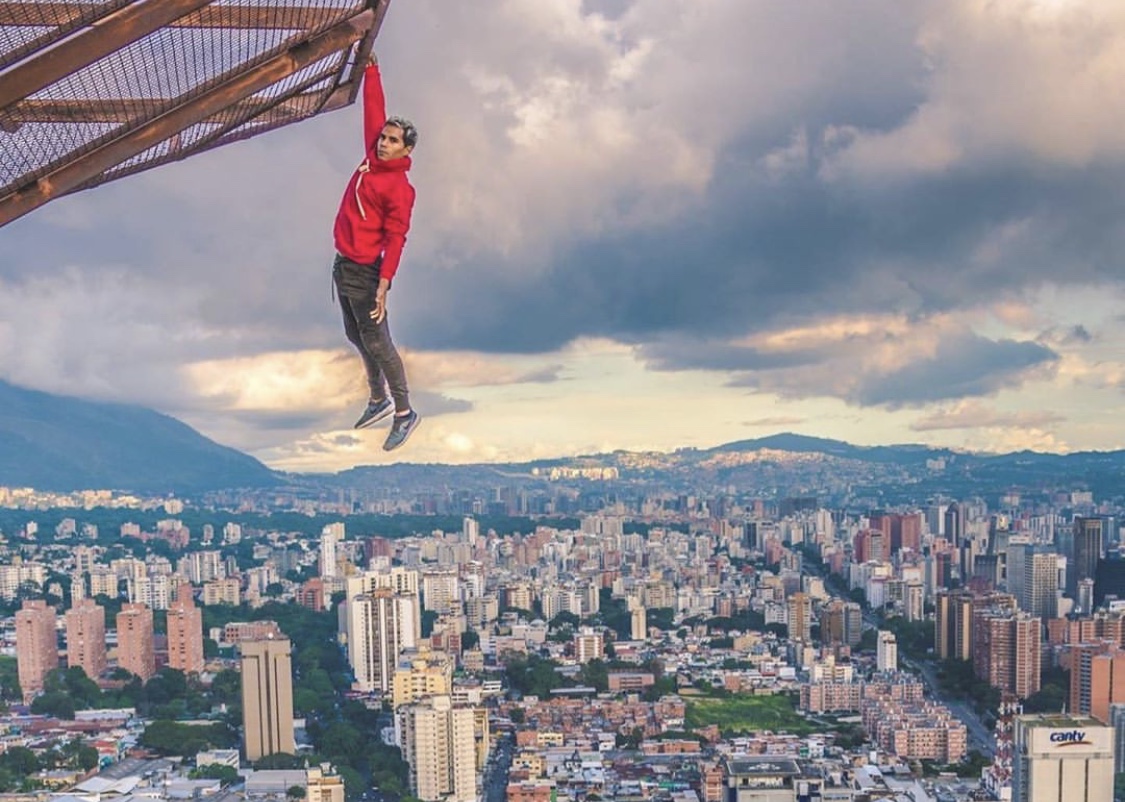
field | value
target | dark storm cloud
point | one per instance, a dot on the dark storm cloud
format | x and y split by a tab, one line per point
963	365
685	353
748	259
964	368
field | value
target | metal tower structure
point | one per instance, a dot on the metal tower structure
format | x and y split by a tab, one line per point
95	90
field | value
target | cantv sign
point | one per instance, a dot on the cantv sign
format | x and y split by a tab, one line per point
1070	738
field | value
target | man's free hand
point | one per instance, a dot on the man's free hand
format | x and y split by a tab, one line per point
380	310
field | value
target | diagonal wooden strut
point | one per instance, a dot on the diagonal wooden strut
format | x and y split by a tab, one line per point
234	90
103	37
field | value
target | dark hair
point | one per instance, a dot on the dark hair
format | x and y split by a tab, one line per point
409	132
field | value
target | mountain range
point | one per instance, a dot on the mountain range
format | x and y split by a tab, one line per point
58	443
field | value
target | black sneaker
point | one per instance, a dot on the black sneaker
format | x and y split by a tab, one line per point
401	430
375	412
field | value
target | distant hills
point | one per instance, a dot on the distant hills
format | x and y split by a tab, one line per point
52	442
57	443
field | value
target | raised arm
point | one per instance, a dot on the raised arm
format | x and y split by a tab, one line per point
374	104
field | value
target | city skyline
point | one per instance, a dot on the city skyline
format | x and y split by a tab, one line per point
622	242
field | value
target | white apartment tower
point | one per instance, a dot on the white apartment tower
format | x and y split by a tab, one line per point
470	531
330	535
439	745
380	624
886	655
638	626
440	590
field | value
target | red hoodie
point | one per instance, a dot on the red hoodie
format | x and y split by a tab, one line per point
375	211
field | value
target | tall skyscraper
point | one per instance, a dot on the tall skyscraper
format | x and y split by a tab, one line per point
470	530
800	607
1062	758
638	619
185	633
886	655
1097	678
1088	548
135	651
267	698
380	624
37	647
1084	596
1006	650
85	637
1033	577
953	626
439	746
330	535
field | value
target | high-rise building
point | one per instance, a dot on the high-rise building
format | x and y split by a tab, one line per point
440	590
439	746
422	674
914	601
953	626
1088	547
1033	577
1006	650
470	530
1097	678
380	624
886	655
267	698
185	633
800	608
638	619
1084	598
85	637
1117	721
588	645
1062	758
135	650
37	646
330	535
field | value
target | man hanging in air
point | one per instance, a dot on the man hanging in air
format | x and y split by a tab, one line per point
370	233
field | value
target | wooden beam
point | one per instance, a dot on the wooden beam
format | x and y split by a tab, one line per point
108	34
236	88
122	110
262	17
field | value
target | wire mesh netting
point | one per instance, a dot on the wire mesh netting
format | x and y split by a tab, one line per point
99	89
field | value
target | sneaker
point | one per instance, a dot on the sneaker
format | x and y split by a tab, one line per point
401	430
375	412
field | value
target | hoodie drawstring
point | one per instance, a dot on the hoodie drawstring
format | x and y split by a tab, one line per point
363	169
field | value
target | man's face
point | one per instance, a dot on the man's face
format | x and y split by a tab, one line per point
390	144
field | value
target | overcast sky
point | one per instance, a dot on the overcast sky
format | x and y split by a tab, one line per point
641	224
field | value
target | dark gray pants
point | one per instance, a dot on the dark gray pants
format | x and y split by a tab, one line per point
356	285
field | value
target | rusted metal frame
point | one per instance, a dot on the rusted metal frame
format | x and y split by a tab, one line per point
113	32
307	18
68	17
242	85
363	50
219	138
126	110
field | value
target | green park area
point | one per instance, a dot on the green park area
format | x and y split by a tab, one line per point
746	713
